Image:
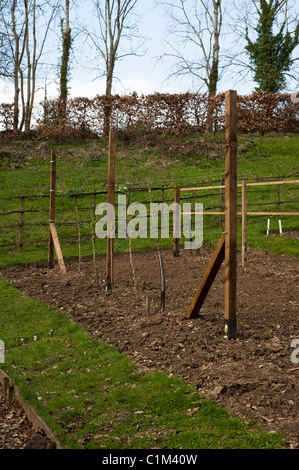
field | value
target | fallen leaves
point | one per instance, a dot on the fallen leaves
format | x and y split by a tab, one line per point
16	433
191	411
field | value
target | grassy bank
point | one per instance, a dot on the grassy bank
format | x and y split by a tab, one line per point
94	397
162	161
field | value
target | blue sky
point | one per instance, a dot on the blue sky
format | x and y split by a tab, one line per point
146	74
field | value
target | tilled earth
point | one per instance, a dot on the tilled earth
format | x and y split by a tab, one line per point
15	430
255	376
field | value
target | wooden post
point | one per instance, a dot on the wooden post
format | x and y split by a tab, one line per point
176	241
222	203
244	224
21	223
230	286
52	208
111	200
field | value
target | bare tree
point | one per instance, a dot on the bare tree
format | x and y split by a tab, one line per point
195	29
26	24
5	59
12	52
115	25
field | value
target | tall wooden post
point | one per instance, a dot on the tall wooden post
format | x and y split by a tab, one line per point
52	208
176	241
244	224
230	286
111	200
222	202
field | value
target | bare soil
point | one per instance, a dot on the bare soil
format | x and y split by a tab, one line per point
288	234
253	377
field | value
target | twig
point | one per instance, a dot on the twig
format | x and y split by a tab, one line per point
78	232
160	260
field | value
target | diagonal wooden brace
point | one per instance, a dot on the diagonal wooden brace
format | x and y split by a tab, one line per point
207	280
54	236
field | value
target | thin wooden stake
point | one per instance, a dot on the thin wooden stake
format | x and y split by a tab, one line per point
161	263
176	241
230	286
52	208
111	200
244	224
147	303
127	205
278	207
78	231
93	237
132	264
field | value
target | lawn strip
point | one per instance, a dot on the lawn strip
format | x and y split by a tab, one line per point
92	396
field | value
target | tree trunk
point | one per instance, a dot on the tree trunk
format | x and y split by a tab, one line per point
16	68
108	103
66	49
214	72
16	97
29	69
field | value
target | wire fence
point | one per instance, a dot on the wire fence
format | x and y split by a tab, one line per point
24	219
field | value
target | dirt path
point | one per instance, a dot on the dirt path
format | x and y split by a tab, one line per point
254	376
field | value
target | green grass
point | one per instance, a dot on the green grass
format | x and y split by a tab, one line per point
169	161
94	397
88	393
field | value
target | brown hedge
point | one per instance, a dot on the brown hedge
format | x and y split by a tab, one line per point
83	118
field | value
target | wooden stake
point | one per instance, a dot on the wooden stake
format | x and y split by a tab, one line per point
111	200
56	244
52	208
148	303
230	286
176	241
127	205
244	225
93	237
207	280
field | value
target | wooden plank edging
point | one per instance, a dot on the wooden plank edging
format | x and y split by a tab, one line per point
37	422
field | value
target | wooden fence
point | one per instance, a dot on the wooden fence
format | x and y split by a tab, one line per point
245	213
32	210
